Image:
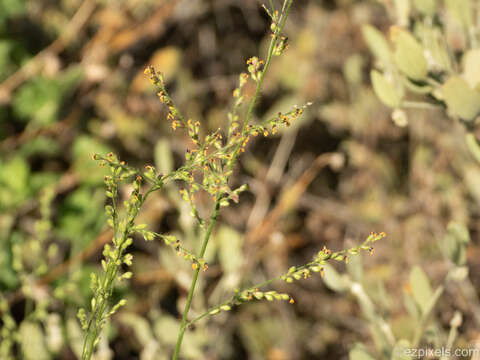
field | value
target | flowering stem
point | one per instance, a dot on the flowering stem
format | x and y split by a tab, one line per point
213	218
183	324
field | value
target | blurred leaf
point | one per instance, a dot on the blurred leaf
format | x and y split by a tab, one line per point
10	8
385	90
163	156
40	180
355	268
139	325
358	352
471	70
82	214
32	341
461	99
401	350
14	174
38	101
409	54
14	187
75	336
8	277
377	43
40	145
435	44
430	305
455	243
70	78
230	249
352	69
461	10
411	306
421	289
426	7
86	169
334	281
402	12
166	329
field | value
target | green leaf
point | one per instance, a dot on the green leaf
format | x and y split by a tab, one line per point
459	231
461	10
421	288
471	70
32	342
408	55
229	250
355	268
15	174
352	69
85	168
385	90
461	99
10	8
426	7
358	352
38	101
432	301
140	326
402	12
163	156
377	43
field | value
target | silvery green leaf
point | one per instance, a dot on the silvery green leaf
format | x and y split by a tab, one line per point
385	90
402	350
471	70
426	7
461	99
334	281
377	43
358	352
32	341
163	156
461	10
421	289
409	54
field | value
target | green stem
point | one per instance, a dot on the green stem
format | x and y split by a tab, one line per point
419	105
183	324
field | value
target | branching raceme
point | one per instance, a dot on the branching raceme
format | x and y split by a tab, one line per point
208	166
294	273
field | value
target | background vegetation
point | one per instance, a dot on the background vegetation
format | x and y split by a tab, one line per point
72	83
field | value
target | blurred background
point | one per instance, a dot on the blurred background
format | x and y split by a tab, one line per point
72	83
